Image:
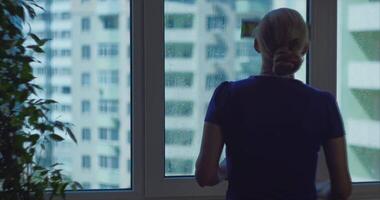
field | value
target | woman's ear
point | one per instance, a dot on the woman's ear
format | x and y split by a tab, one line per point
256	45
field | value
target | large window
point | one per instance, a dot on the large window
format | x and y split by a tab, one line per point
215	54
359	85
90	89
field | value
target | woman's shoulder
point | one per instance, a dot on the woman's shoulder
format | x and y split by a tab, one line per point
229	87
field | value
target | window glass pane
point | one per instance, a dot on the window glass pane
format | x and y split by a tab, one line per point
359	84
87	71
203	48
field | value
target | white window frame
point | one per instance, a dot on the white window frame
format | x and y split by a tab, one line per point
148	121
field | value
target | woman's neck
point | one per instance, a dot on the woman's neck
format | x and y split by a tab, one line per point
267	70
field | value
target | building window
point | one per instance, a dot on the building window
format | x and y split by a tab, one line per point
65	34
216	51
108	49
86	106
178	79
108	105
114	162
86	52
65	15
103	161
108	77
66	90
61	108
85	24
114	134
86	162
216	22
178	50
38	71
108	133
103	133
179	108
65	52
179	21
85	79
245	49
183	137
213	80
65	108
179	166
61	71
86	134
108	162
110	21
61	52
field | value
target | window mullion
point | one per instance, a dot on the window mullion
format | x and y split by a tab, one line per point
154	97
323	55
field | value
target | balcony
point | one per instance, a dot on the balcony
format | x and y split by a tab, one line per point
363	133
109	7
368	21
180	35
364	75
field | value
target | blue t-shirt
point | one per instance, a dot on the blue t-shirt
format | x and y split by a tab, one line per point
273	129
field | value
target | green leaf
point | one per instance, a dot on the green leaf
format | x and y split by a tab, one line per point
71	134
37	167
75	185
34	138
36	86
50	101
56	137
35	37
35	48
38	6
44	172
62	189
30	10
55	164
39	41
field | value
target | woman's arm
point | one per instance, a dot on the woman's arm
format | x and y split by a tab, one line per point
336	158
208	172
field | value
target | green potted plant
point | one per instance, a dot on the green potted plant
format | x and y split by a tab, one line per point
25	128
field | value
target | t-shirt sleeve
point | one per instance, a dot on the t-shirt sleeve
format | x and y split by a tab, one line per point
217	106
335	126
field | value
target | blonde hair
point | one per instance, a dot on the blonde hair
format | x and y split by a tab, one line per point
282	36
